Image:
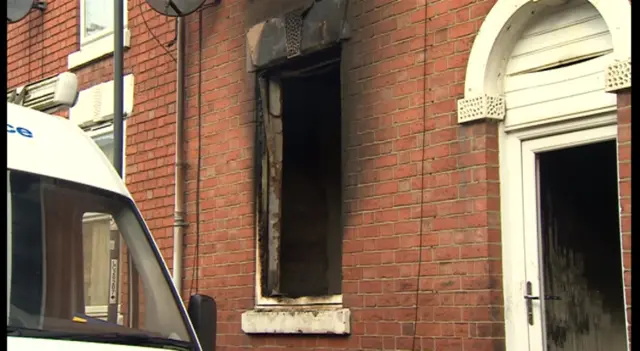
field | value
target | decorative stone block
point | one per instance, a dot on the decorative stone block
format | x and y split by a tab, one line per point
481	107
297	321
618	75
293	33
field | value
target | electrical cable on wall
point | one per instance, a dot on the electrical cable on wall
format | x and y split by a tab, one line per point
196	261
163	46
422	160
199	156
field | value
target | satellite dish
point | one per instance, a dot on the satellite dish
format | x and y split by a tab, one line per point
19	9
175	8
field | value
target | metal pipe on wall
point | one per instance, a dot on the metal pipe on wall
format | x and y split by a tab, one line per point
118	145
118	86
118	156
179	196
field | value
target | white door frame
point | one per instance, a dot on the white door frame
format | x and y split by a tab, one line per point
519	209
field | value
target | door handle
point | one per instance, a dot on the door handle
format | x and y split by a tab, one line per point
529	298
546	297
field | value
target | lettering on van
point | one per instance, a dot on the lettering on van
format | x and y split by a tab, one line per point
19	130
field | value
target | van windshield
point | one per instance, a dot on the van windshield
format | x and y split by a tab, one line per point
68	273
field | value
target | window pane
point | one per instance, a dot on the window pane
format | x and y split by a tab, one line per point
96	259
26	239
98	16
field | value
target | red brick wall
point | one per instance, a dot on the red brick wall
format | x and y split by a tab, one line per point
384	94
384	71
387	81
150	131
30	56
150	140
227	246
624	173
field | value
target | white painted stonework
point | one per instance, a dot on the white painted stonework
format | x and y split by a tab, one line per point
481	107
618	75
297	321
504	27
95	104
544	97
96	50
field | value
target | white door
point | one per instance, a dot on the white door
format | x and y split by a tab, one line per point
526	241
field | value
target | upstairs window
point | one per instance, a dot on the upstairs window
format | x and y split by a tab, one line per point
96	19
96	32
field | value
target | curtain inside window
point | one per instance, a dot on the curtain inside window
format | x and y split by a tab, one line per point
96	261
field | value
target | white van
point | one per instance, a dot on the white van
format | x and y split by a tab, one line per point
59	185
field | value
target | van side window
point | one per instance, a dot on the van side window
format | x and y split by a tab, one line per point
25	234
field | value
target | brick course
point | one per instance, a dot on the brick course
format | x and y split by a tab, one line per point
398	181
624	174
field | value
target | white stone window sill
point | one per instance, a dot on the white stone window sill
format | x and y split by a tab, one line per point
297	321
96	49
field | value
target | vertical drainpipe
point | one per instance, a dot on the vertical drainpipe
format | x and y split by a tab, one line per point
179	213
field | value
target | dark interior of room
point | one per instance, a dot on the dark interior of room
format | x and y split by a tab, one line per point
311	184
582	262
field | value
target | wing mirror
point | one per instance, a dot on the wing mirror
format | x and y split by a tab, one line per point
203	314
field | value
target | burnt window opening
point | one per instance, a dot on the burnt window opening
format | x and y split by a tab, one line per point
299	173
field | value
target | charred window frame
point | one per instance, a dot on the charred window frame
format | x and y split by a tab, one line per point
277	89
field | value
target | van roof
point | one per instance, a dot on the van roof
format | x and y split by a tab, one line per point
54	146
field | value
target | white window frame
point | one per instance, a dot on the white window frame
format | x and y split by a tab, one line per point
94	132
99	311
84	39
97	45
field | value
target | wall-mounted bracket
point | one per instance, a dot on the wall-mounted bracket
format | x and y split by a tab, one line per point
40	5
